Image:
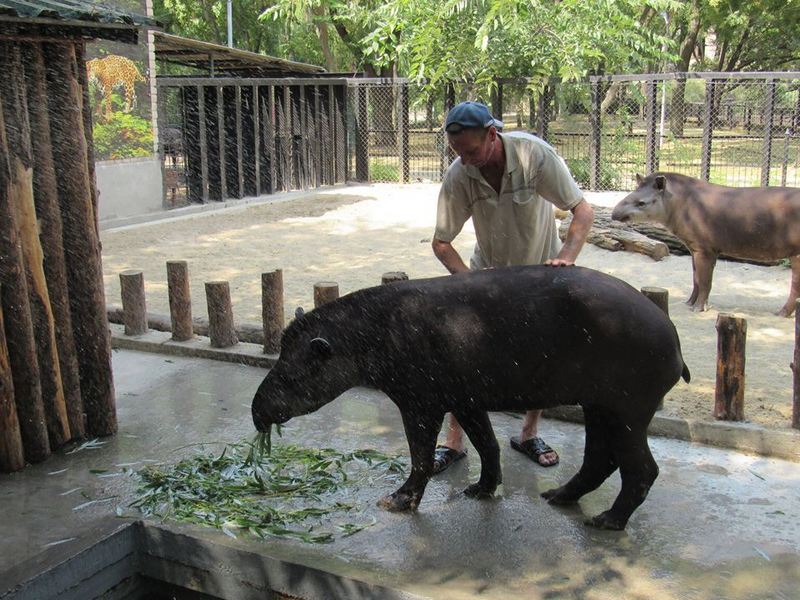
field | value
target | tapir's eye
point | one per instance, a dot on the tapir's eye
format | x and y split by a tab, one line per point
640	203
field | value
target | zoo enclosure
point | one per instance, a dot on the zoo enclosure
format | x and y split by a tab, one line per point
230	137
734	129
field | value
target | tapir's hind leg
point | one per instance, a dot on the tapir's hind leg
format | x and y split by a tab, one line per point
794	291
599	461
638	471
479	431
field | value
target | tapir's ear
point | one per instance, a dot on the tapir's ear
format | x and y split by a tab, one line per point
321	347
299	312
660	183
639	179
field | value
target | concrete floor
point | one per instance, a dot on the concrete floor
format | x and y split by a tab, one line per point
717	524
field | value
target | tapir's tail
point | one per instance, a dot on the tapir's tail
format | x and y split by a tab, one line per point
687	377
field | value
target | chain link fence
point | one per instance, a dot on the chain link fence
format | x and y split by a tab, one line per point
732	129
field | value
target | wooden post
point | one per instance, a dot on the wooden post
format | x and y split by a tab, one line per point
729	391
12	457
71	149
180	300
796	368
393	276
660	297
21	163
325	291
362	133
769	111
16	309
272	310
595	139
221	330
51	232
134	308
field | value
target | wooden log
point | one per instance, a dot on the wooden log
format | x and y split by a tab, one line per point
133	302
12	456
620	239
21	163
180	300
221	330
252	333
45	192
729	390
15	302
81	239
325	291
796	368
393	276
272	317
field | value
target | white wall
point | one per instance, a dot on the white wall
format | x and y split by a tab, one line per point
129	187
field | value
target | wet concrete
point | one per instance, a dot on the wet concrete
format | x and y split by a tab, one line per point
717	524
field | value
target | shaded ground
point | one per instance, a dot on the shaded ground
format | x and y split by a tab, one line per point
352	235
717	524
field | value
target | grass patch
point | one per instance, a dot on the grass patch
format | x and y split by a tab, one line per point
281	490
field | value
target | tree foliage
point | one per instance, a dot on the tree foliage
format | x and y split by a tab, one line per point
482	39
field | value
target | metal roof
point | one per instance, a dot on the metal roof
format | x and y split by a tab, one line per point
217	60
47	19
73	10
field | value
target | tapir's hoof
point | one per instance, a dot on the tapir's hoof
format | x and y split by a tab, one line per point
476	490
559	497
785	312
399	501
607	521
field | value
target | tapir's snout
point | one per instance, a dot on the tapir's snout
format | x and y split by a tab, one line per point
620	212
268	408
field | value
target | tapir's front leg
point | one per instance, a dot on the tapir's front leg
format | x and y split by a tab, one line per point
421	432
703	262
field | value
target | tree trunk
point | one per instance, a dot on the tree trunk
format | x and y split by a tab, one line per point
81	239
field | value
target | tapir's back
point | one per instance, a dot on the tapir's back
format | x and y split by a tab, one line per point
563	333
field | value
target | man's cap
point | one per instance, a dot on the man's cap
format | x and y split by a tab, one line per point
470	115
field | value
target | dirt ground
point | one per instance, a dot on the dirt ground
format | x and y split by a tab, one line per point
352	235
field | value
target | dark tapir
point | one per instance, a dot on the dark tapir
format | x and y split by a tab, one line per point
754	223
503	339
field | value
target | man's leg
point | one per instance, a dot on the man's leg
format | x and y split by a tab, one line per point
453	447
531	444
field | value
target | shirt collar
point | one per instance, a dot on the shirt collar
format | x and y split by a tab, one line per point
512	162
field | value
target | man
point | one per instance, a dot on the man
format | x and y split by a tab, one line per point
506	184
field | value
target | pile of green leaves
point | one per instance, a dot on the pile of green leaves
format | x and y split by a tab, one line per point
284	490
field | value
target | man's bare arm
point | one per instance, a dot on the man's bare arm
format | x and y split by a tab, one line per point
582	218
448	256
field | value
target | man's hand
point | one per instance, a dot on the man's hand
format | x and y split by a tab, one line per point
559	262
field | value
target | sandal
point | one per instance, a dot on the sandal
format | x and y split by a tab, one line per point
443	457
534	448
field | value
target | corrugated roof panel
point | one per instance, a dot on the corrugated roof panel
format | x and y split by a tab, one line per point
73	10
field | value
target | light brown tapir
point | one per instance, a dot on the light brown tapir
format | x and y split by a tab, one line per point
749	223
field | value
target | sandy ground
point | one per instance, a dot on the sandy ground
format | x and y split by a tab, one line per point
352	235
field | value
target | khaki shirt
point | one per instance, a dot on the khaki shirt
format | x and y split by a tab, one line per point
516	226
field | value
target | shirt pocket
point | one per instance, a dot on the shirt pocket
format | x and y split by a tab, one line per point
523	197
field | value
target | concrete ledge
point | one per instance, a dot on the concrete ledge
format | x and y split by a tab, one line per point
121	561
744	437
161	342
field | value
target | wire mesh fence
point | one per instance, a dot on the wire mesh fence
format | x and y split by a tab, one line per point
738	130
